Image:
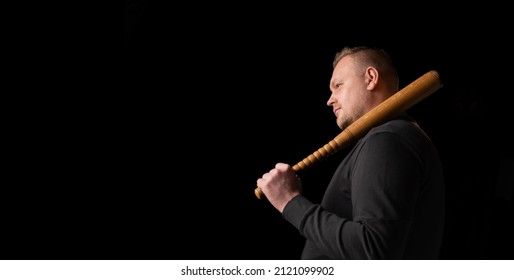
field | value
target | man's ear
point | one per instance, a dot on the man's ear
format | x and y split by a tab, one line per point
371	77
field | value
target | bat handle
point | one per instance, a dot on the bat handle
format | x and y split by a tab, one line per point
302	165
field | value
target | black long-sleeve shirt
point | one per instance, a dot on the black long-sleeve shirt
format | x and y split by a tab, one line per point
385	200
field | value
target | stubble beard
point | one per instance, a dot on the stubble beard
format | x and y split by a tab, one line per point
345	120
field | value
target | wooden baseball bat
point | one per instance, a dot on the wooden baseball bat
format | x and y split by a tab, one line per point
396	104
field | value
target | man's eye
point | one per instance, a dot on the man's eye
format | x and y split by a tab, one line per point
338	85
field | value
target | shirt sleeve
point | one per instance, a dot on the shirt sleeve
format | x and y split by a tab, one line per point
385	181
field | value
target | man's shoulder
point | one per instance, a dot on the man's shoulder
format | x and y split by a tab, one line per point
397	125
404	129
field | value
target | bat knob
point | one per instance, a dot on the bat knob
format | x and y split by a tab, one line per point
258	193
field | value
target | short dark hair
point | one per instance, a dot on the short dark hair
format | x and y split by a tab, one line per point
371	56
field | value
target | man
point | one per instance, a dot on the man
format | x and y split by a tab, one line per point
386	198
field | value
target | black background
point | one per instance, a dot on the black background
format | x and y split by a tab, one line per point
212	96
